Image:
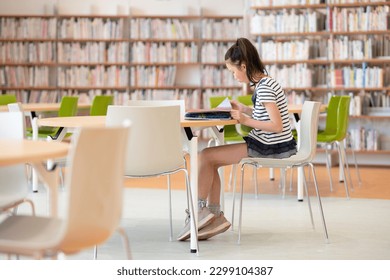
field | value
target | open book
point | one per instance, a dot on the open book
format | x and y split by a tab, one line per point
221	112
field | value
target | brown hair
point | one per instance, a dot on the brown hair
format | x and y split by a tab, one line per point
244	52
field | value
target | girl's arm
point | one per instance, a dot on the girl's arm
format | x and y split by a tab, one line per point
273	125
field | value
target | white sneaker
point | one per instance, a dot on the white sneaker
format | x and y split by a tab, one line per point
204	218
218	225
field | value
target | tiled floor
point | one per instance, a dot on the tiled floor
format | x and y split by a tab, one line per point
274	228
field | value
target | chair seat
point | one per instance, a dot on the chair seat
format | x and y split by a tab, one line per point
21	234
327	138
234	138
294	160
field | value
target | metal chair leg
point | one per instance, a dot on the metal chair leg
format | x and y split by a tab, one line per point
319	203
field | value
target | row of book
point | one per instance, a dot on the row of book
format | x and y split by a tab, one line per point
214	52
290	21
357	77
24	76
93	52
352	1
363	139
357	19
28	28
85	28
217	76
22	52
35	96
164	52
275	3
157	28
344	48
82	76
290	50
341	47
297	75
223	29
152	76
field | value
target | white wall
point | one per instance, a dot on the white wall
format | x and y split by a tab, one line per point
112	7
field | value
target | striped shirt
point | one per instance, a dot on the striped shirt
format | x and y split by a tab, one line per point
269	90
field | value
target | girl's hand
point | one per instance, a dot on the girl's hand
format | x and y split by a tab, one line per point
237	105
239	116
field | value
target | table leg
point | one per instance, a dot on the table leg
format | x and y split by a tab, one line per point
300	169
193	149
50	178
220	140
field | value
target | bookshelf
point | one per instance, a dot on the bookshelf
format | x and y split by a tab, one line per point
131	56
318	48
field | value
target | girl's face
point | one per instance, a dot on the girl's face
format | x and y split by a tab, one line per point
239	73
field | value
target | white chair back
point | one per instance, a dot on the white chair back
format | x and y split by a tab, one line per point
13	181
155	144
95	184
17	107
308	130
180	102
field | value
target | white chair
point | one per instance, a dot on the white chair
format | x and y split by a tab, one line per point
13	182
94	184
181	103
155	143
304	156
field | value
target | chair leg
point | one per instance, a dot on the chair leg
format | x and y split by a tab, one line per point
126	242
241	198
255	181
308	199
170	207
346	164
233	204
189	198
328	167
319	203
291	178
356	167
95	252
342	165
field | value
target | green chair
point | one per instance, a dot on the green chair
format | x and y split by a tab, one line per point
100	104
6	99
68	108
335	132
246	100
231	134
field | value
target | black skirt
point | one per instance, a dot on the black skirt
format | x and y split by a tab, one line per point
279	150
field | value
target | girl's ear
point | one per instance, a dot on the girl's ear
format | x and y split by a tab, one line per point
243	66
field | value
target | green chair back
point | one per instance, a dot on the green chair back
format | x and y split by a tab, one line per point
6	99
343	118
100	104
246	100
230	132
337	125
68	107
331	115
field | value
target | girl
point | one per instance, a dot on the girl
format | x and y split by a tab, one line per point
270	137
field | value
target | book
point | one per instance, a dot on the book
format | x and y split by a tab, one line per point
221	112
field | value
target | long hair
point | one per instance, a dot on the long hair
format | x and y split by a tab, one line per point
243	52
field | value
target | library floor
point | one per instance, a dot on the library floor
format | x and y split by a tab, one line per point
274	227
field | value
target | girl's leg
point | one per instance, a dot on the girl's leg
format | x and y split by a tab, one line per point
210	159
